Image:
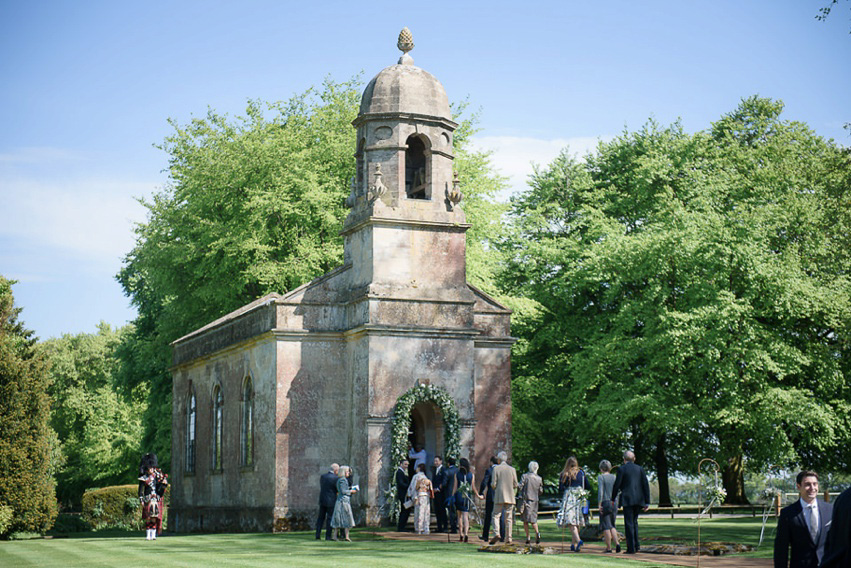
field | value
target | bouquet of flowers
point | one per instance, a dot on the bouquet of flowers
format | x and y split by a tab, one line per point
717	494
770	494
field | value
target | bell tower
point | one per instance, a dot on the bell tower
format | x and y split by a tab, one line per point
406	228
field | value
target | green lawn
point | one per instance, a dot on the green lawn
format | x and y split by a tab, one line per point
300	549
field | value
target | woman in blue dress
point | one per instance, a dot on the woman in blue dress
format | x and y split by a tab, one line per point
342	519
572	481
465	488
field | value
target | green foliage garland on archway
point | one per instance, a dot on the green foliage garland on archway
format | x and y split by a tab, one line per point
401	424
402	420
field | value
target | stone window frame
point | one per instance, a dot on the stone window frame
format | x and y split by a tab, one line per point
217	405
246	424
191	432
427	156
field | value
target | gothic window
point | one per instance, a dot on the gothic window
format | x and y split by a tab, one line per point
191	416
218	405
416	168
246	432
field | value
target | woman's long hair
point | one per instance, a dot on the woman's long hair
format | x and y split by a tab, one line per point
465	466
571	469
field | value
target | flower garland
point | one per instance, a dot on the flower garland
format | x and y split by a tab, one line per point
401	424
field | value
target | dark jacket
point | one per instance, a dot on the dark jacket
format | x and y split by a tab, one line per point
792	531
402	481
632	485
485	485
581	480
438	481
328	489
837	547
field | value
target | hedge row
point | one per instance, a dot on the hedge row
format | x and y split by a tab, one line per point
115	507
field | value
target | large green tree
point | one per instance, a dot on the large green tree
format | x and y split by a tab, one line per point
99	427
254	205
693	297
26	486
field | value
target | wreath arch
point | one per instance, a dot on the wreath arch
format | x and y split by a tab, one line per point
402	421
401	424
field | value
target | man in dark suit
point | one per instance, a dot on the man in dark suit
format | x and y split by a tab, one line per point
485	489
837	547
402	481
438	482
327	499
451	472
803	526
632	485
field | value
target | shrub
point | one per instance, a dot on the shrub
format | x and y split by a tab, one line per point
5	518
115	507
109	507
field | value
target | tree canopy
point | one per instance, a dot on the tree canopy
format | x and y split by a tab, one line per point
27	498
99	429
693	297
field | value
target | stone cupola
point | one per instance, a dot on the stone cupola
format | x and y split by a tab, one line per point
406	230
404	149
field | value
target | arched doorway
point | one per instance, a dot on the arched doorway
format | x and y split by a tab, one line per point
427	430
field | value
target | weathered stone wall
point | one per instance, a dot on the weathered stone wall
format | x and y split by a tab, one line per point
207	499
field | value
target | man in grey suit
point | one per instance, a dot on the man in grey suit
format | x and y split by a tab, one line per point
504	485
631	482
803	526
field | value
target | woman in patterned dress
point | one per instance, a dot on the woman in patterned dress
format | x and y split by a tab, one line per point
422	490
342	519
571	481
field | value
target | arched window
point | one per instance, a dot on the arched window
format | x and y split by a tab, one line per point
218	405
191	415
246	432
416	169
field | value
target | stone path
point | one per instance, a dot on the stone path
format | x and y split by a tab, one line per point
597	549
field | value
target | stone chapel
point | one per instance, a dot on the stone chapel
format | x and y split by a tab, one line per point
268	396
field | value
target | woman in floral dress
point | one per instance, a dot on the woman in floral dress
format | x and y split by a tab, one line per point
574	483
422	491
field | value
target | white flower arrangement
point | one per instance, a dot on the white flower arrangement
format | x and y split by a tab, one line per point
717	494
770	494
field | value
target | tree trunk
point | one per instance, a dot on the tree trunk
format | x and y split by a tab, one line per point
661	459
733	478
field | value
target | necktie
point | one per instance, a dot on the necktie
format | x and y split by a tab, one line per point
813	522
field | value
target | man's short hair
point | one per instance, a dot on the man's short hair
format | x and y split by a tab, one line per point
803	474
502	456
438	458
494	461
450	461
629	456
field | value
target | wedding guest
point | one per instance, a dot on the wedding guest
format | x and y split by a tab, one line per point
504	485
531	485
402	482
608	508
571	481
327	501
631	482
802	526
465	484
485	489
343	519
422	487
837	547
417	456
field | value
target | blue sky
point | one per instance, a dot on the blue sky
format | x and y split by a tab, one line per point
86	89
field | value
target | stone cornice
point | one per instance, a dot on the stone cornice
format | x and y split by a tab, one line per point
405	116
395	222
